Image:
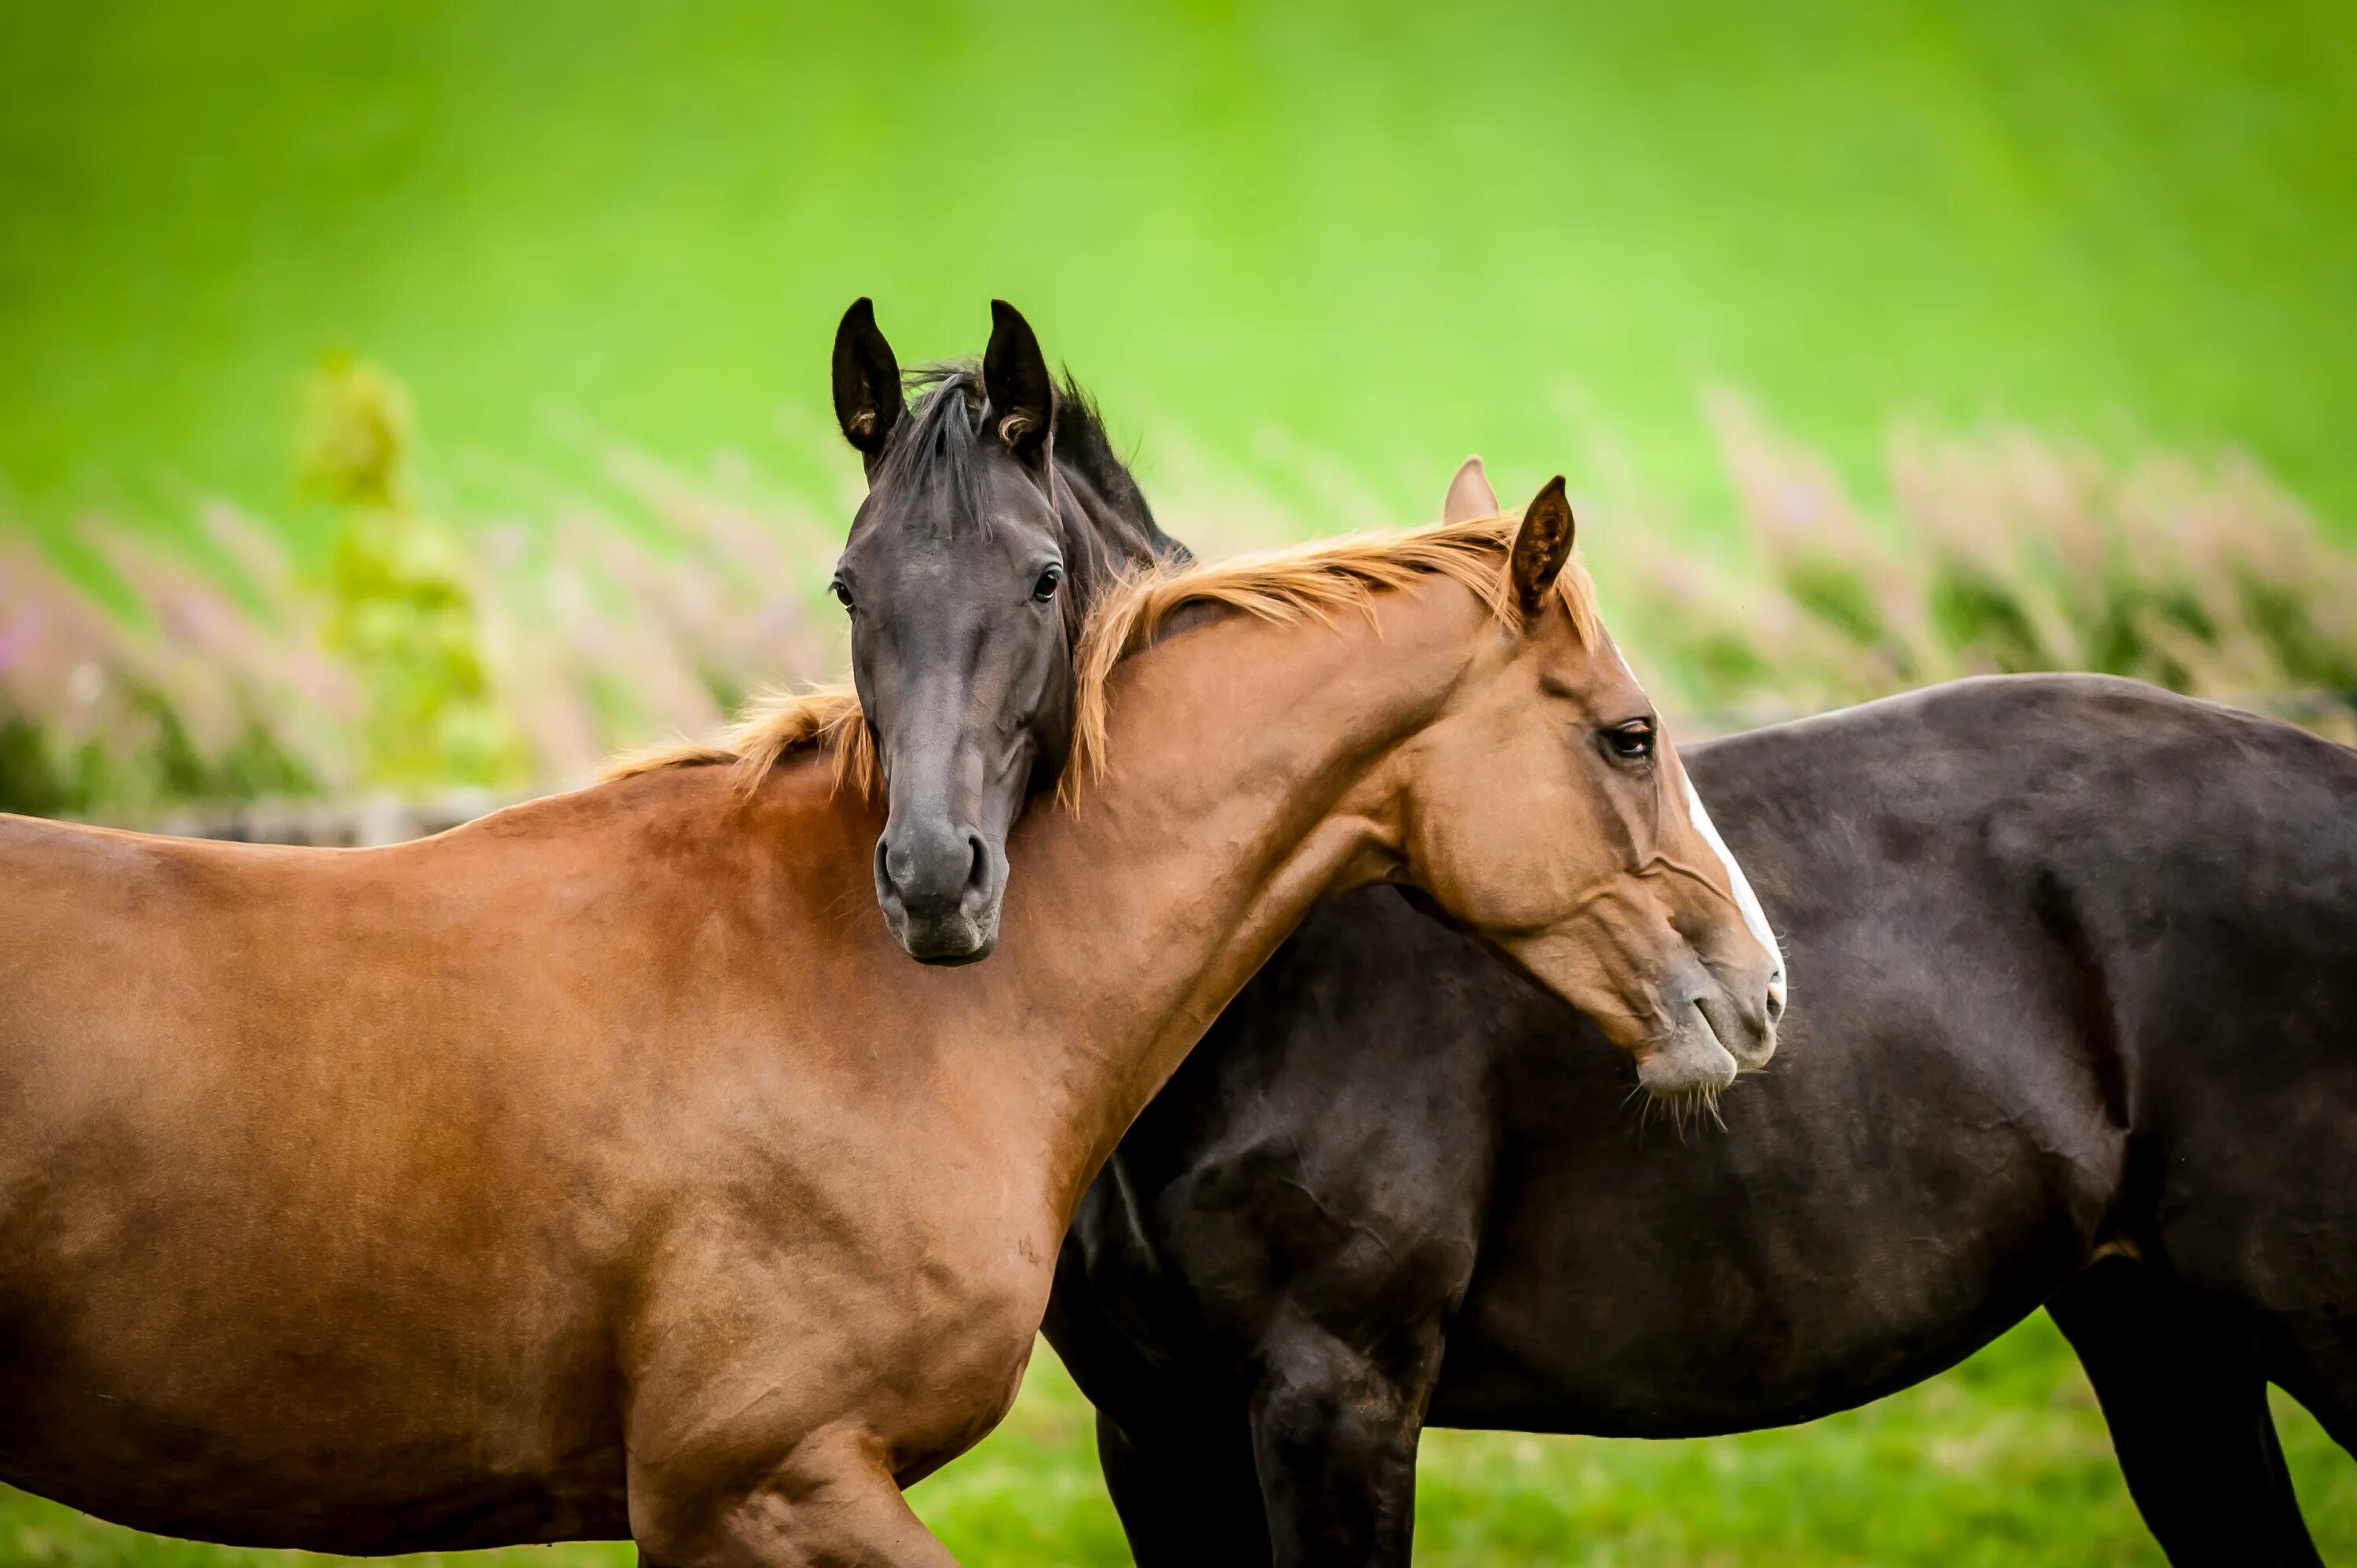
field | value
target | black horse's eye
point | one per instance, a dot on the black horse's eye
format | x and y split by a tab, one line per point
1045	588
1633	741
842	593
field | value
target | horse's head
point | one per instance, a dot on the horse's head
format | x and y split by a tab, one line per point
1548	816
996	513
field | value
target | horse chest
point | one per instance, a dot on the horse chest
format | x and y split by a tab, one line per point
892	1276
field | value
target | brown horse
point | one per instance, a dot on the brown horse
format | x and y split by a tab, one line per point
604	1168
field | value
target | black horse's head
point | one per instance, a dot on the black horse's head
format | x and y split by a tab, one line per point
996	513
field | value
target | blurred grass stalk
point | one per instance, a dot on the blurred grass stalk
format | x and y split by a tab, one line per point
2001	553
504	656
511	655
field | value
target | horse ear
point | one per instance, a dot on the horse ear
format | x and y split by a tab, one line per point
1015	379
1469	495
1542	545
867	401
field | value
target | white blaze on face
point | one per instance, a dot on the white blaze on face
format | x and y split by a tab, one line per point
1754	917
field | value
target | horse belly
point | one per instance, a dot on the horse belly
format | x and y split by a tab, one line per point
190	1407
1758	1283
150	1471
278	1264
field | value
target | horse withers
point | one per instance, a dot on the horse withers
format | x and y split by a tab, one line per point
586	1170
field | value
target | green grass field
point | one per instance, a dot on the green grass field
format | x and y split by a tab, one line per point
1300	241
2003	1462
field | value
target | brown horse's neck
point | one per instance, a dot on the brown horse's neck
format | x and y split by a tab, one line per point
1253	771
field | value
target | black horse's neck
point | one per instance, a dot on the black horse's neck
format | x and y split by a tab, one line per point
1121	528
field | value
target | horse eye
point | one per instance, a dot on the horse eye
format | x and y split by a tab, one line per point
1634	740
1045	588
842	593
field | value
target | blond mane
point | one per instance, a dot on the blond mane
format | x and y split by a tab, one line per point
773	725
1303	582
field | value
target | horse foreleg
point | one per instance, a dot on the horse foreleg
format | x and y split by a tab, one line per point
2313	1357
1335	1430
1185	1488
2186	1401
831	1504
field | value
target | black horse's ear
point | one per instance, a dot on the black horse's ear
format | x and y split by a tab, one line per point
1542	545
1015	379
867	401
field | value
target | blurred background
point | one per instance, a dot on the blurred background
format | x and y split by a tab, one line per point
401	406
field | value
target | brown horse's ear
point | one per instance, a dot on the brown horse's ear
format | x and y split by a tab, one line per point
1542	545
1015	379
867	401
1469	495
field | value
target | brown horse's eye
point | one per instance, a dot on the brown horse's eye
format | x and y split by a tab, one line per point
1049	580
1632	742
842	593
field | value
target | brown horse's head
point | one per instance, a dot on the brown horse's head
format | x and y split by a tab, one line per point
996	512
1547	814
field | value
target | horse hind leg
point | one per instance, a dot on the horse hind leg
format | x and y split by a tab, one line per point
2186	1399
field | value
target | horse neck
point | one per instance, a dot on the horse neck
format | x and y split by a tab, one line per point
1252	773
1106	517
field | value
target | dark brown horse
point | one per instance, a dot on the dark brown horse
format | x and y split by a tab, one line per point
2077	1027
1392	1186
603	1168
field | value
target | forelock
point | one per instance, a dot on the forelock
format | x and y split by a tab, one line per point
931	468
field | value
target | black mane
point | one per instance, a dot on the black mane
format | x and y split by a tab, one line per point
938	444
1083	447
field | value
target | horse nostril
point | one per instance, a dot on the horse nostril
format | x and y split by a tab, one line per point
1775	999
930	873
